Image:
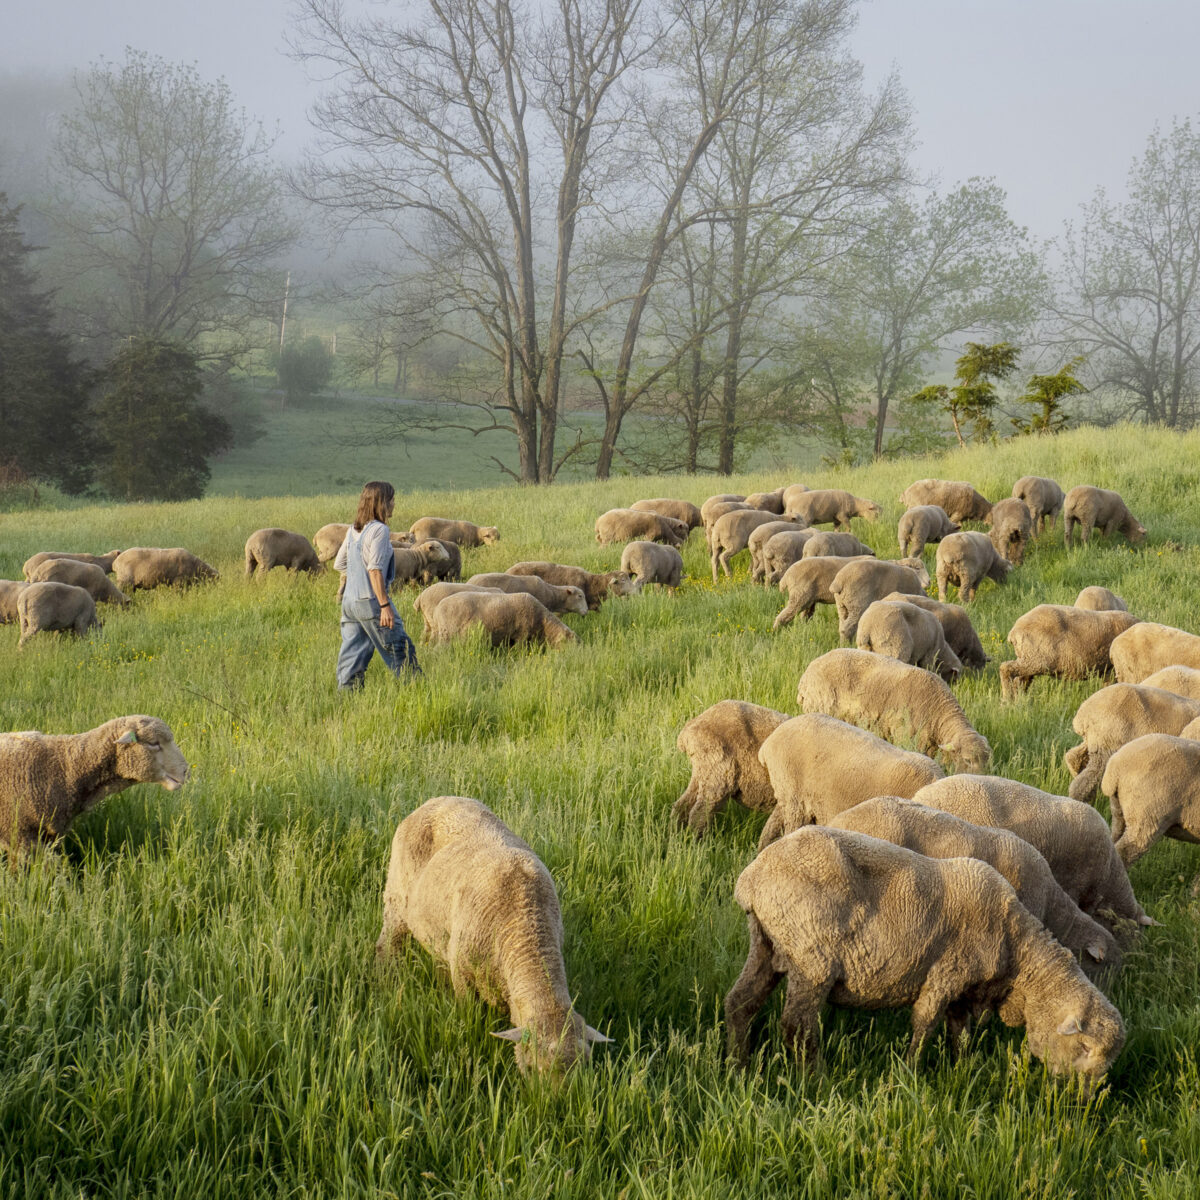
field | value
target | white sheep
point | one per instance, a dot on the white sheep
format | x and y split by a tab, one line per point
825	505
921	524
1011	529
648	562
908	633
1043	497
859	584
1063	641
957	498
956	625
1148	647
807	584
1093	507
966	559
48	607
1100	599
1153	786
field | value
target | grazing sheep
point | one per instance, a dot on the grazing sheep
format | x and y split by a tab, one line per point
956	626
861	923
920	525
465	533
595	587
1061	640
1011	529
835	545
938	834
151	567
771	502
791	492
681	510
859	584
80	574
10	589
807	584
898	701
908	633
270	548
955	497
103	561
556	599
433	595
1153	786
1183	681
1043	497
1115	715
731	532
481	902
649	563
1149	647
1100	599
779	552
44	607
447	570
966	559
819	766
757	544
723	744
47	780
413	562
825	505
327	541
1072	837
718	506
630	524
509	620
1091	508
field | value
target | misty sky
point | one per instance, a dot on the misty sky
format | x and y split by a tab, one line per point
1052	97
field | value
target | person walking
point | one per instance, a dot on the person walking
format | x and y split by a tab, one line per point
370	622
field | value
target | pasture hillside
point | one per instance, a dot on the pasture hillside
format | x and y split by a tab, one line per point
190	1004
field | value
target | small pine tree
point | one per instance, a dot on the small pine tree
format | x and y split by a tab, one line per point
974	396
1048	392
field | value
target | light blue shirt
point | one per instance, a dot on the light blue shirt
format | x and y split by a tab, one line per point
369	550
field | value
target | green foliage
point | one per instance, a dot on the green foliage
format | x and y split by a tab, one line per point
1048	393
304	369
974	396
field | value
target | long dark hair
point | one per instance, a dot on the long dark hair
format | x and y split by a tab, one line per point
373	503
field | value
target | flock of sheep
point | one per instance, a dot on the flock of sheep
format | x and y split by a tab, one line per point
880	881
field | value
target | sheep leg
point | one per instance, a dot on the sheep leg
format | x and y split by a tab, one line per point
958	1027
724	558
943	581
393	935
713	557
751	991
1085	530
710	786
1076	758
801	1015
1068	528
927	1015
1135	842
1013	679
1083	786
788	615
772	829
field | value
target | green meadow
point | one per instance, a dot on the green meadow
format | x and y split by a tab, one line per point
190	1004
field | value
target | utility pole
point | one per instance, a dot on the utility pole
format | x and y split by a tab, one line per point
283	320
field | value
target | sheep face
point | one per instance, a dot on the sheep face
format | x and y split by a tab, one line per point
432	551
576	601
553	1053
1082	1037
1137	534
870	510
970	751
147	753
489	535
622	584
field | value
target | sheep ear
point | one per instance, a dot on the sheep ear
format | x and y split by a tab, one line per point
1096	950
515	1034
127	738
1147	919
594	1035
1069	1026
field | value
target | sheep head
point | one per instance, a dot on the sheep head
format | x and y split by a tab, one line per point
146	753
553	1052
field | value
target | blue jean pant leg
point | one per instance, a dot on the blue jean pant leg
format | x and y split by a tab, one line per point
363	635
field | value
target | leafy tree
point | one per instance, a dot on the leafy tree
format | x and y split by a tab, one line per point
974	396
1048	392
158	437
304	369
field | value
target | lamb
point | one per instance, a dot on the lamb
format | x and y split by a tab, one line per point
448	569
1092	507
556	599
595	587
463	532
80	574
1114	716
433	595
731	532
151	567
1152	788
757	543
921	524
1061	640
1072	837
957	498
956	626
819	766
1043	497
630	524
481	902
908	633
938	834
825	505
649	563
807	584
1149	647
47	780
857	585
1183	681
103	561
270	548
43	607
327	541
1011	529
723	744
1100	599
771	502
681	510
896	700
966	559
10	589
779	552
862	923
835	545
508	619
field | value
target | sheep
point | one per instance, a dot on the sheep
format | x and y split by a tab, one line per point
1100	599
957	498
858	584
908	633
862	923
771	502
723	744
556	599
1183	681
412	562
825	505
437	570
270	548
327	541
779	552
966	559
1115	715
80	574
103	561
463	532
681	510
835	545
1043	497
1149	647
790	493
508	619
730	535
938	834
897	701
921	524
1092	507
717	506
630	524
595	587
151	567
757	542
649	563
956	626
1072	837
1011	529
481	902
819	766
47	780
10	589
1061	640
433	595
807	584
1151	784
43	607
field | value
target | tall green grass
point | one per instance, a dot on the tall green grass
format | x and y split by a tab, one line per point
190	1004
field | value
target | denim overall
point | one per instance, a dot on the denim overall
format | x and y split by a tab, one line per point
362	634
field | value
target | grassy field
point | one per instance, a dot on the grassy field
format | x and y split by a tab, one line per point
190	1004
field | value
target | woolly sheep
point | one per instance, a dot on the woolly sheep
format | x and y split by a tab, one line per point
1011	529
897	701
955	497
825	505
779	551
1153	790
413	562
103	561
428	600
437	569
508	620
1061	640
1093	507
859	584
771	502
835	545
45	607
966	559
859	922
730	535
908	633
79	574
10	589
807	584
819	766
465	533
956	626
556	599
1043	497
723	744
717	506
790	493
1183	681
921	524
151	567
270	548
327	541
681	510
480	901
1149	647
630	524
47	780
649	562
757	543
595	587
1100	599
